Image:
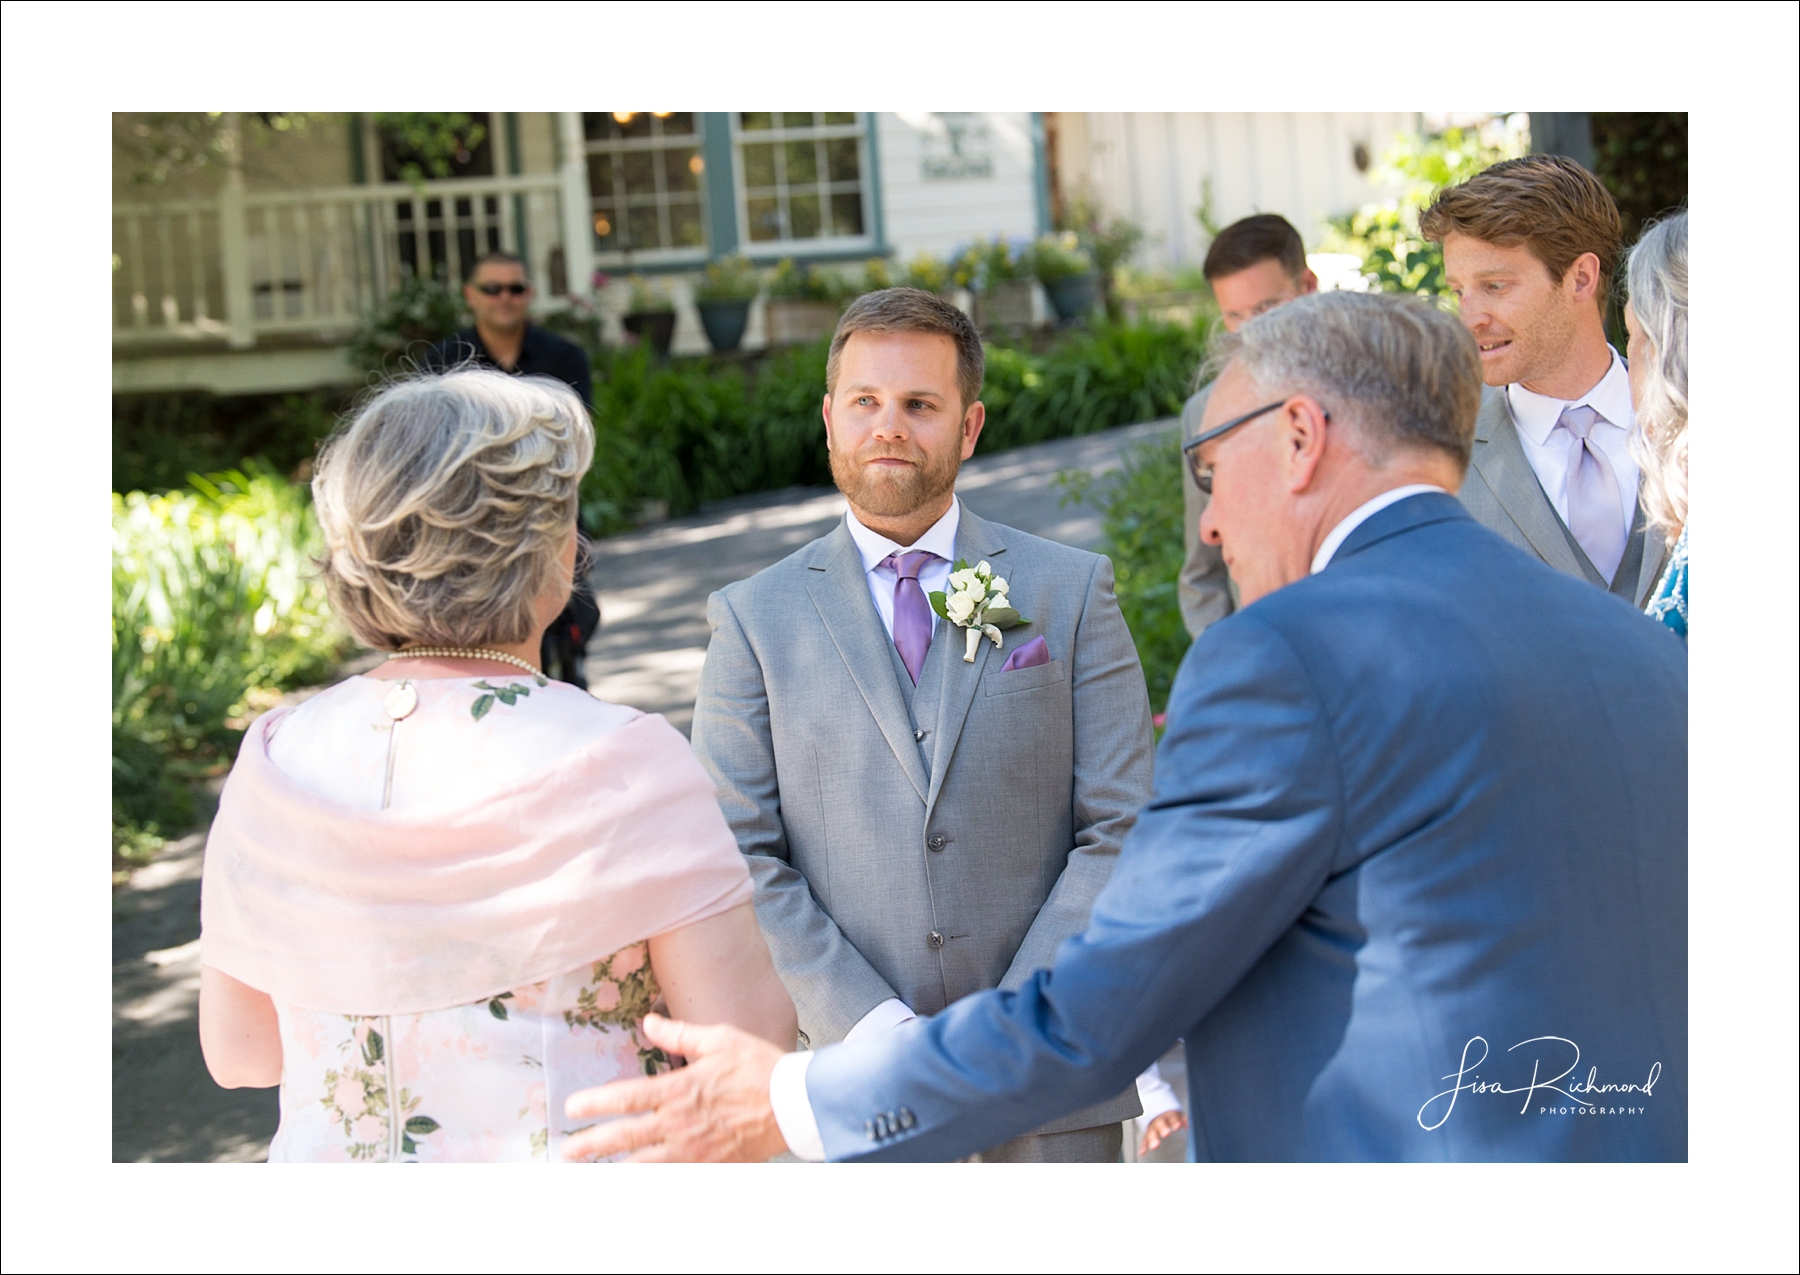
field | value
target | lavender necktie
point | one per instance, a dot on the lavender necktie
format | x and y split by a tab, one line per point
1596	517
912	613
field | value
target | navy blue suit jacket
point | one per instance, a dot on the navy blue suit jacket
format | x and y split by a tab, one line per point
1412	886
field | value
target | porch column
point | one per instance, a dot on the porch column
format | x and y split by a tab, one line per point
234	245
577	203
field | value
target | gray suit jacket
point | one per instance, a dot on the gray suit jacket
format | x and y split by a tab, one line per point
1204	588
924	843
1503	493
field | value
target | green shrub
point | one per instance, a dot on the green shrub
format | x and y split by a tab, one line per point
216	609
159	439
1141	516
414	316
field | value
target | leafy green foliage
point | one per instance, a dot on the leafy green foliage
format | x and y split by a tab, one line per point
414	316
430	142
1055	257
729	279
984	263
1386	234
1141	514
216	608
159	439
1642	157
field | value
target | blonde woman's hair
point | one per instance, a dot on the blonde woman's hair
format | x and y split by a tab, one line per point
1657	278
446	503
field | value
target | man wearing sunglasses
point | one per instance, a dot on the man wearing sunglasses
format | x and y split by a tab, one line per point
499	295
1253	265
1412	881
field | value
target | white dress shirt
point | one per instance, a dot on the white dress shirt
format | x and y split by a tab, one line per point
787	1087
873	546
1536	416
1334	540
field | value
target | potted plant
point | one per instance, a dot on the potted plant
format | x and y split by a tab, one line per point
1066	270
930	273
723	298
1109	241
997	273
652	315
802	303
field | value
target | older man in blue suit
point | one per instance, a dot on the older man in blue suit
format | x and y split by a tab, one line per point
1412	885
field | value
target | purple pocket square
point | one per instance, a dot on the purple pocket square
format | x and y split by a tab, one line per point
1032	654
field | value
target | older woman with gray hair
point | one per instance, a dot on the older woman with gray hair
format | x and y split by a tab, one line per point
1656	323
442	896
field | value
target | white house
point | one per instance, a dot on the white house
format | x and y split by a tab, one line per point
251	276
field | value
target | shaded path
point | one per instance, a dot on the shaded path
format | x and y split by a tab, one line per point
653	585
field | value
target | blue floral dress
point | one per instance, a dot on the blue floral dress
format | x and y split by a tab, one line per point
1669	602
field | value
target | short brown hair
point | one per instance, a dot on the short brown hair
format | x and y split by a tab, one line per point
1264	237
912	310
1552	205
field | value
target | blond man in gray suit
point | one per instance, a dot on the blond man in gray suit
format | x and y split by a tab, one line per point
925	815
1530	246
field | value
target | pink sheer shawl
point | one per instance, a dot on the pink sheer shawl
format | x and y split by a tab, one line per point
385	912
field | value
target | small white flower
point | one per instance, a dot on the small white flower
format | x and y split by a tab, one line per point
998	584
965	579
960	607
983	569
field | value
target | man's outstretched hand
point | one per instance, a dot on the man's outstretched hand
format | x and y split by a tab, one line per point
715	1108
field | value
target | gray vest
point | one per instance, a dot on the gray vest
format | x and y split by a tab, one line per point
1624	583
923	700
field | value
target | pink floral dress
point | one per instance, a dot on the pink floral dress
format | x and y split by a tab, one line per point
480	1081
476	1082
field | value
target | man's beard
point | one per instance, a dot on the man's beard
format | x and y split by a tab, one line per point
890	492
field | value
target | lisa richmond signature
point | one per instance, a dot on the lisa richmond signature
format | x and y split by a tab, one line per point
1579	1092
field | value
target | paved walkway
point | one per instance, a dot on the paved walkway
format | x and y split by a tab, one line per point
653	585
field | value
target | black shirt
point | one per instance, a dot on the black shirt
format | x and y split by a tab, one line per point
540	354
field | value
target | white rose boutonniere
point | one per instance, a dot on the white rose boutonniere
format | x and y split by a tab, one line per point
976	601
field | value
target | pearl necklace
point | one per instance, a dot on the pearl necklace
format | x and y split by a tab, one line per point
469	653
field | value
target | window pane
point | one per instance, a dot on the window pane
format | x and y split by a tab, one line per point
684	226
606	230
764	218
635	123
755	120
846	215
640	172
600	176
596	125
840	117
804	210
802	163
797	119
840	159
644	230
759	165
678	124
681	172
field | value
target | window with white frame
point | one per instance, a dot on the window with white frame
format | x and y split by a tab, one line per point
802	177
645	176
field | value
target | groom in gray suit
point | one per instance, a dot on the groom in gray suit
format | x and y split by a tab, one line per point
1529	247
923	818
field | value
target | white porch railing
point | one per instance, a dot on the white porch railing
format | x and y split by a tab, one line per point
314	262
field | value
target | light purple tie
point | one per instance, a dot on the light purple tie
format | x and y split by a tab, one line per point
1595	515
912	613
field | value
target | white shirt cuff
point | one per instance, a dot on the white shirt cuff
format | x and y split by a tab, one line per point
883	1018
1156	1095
793	1109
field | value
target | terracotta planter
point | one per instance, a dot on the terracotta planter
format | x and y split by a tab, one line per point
1006	304
654	326
724	322
794	322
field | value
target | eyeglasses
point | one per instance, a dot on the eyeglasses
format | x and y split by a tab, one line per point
495	289
1203	472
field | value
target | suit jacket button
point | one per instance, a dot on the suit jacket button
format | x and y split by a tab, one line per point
919	734
936	841
907	1119
869	1128
935	939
